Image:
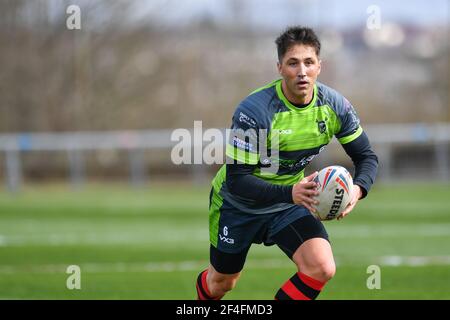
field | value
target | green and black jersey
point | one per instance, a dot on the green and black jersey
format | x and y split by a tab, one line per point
301	133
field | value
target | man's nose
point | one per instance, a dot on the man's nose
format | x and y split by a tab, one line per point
301	71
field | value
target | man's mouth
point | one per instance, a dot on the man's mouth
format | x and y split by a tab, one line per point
302	83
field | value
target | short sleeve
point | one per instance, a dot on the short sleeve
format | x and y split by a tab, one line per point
242	141
350	127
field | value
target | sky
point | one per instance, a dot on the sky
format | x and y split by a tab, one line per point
276	13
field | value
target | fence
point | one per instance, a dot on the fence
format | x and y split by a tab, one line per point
387	140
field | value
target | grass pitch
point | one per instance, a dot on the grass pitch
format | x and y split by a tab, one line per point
151	243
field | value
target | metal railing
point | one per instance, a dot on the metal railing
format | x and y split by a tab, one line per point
383	137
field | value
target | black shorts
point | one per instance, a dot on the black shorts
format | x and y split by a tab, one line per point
232	233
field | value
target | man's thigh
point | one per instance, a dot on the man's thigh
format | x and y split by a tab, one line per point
232	233
299	225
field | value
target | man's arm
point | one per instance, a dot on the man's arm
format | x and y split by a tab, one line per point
366	166
241	182
355	143
365	161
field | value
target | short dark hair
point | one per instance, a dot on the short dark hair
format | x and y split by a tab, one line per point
296	35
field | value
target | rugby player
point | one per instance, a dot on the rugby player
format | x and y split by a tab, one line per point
248	206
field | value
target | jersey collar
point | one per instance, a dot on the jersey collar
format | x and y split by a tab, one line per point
290	105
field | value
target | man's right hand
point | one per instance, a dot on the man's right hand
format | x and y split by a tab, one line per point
304	191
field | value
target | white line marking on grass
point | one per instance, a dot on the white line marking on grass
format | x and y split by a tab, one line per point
414	261
139	267
3	241
105	238
393	261
389	230
162	233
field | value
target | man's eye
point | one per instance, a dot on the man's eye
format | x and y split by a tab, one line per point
293	63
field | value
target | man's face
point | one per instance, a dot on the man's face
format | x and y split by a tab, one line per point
299	68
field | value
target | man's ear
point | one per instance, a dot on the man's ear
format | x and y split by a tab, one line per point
279	67
320	67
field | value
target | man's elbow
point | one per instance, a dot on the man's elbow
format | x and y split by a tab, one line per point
374	159
366	157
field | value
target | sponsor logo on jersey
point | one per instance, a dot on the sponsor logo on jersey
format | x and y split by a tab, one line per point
241	144
247	120
285	131
300	163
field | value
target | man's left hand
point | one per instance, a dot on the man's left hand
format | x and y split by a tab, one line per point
356	195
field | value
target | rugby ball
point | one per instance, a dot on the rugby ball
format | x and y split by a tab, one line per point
335	189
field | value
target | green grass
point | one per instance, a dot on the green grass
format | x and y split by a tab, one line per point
151	243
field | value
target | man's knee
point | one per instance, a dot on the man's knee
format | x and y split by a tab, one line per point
325	271
322	271
315	259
